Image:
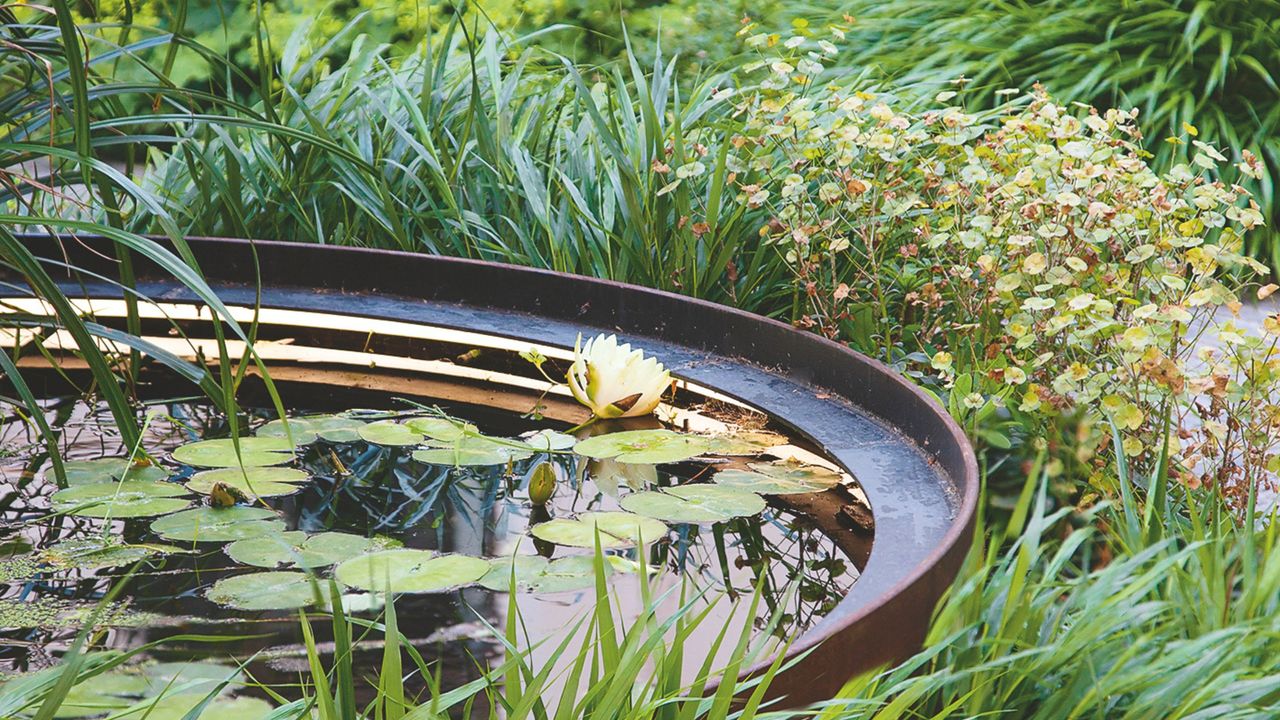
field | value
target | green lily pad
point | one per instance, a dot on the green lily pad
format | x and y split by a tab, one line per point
576	572
254	452
208	524
275	590
779	478
339	436
94	553
549	441
252	481
196	678
306	429
617	529
695	504
98	695
643	446
177	707
126	499
410	571
746	442
87	472
441	429
296	549
389	433
527	569
475	450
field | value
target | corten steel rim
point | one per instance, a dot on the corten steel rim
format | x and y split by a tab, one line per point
913	462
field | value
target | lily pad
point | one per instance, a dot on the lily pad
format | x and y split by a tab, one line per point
126	499
306	429
616	529
779	478
441	429
410	571
207	524
643	446
254	452
475	450
746	442
179	707
576	572
527	568
94	553
276	590
549	441
695	504
197	678
296	549
86	472
98	695
252	481
389	433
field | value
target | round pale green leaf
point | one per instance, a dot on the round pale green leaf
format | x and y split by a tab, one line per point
695	504
441	429
779	479
208	524
549	441
745	442
643	446
86	472
306	429
91	553
410	571
177	707
576	572
270	551
616	529
100	694
298	550
337	436
127	499
527	569
474	450
180	678
389	433
252	481
254	452
278	590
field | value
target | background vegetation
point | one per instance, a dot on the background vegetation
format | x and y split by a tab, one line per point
840	188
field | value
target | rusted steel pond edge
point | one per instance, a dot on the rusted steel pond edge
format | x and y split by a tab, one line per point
912	460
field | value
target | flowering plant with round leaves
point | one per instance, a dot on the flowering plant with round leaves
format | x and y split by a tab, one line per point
614	380
1027	260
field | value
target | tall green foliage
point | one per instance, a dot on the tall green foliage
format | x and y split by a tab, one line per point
1207	63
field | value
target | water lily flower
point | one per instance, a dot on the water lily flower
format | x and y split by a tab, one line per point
614	380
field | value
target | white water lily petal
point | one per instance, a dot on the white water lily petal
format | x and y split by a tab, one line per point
613	380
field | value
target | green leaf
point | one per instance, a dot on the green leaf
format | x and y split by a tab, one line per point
644	446
128	499
277	590
297	549
616	529
695	504
252	481
207	524
253	452
779	478
389	433
410	571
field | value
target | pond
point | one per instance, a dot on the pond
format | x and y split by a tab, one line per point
448	495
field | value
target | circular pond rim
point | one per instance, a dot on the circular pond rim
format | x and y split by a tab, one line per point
924	521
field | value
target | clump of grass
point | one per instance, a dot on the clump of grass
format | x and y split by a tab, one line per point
471	146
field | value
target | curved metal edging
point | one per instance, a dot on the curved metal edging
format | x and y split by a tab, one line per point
914	463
